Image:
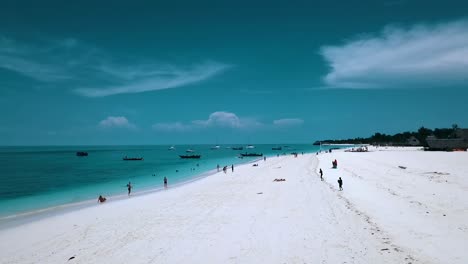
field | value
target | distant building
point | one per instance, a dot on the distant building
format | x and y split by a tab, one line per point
460	142
413	141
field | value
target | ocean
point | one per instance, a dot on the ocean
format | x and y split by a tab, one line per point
35	180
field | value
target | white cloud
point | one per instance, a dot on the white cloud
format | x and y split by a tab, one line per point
116	122
288	122
423	55
171	127
155	79
227	119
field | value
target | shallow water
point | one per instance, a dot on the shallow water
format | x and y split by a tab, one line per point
34	178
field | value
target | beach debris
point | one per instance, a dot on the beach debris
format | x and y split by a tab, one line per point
278	180
260	193
71	258
402	167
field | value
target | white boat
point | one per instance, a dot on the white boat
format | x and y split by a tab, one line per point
250	147
215	147
171	148
189	150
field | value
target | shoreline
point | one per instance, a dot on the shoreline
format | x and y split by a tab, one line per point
26	217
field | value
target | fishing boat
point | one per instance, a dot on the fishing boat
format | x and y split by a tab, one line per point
190	156
132	158
251	154
237	148
215	147
81	154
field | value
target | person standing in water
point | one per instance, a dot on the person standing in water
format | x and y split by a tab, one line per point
129	187
101	199
165	182
217	167
340	183
321	174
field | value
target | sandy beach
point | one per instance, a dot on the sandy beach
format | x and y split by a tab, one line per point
399	205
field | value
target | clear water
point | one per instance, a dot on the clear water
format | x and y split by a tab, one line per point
34	178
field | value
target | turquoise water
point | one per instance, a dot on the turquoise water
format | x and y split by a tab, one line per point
34	178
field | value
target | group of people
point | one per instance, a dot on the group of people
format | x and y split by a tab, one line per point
102	199
225	168
340	181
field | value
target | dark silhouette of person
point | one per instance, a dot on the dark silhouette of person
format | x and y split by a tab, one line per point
217	167
232	167
321	174
165	182
129	187
340	183
101	199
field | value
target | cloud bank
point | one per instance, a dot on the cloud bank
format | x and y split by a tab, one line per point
222	119
422	55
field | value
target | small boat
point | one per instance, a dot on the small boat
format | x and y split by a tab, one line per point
237	148
171	148
251	154
132	158
189	150
277	148
215	147
81	154
250	147
190	156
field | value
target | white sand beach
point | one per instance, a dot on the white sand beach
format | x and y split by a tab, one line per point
385	214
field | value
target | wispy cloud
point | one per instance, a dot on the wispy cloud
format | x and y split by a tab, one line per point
116	122
288	122
15	57
91	72
422	55
155	79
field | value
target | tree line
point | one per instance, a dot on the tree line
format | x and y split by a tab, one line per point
399	139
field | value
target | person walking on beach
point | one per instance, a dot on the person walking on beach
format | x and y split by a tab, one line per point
165	182
232	167
225	169
264	158
321	174
340	183
217	167
129	187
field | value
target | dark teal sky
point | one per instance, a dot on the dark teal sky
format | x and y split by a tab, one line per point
203	72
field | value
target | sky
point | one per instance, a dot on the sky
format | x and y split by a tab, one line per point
224	72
